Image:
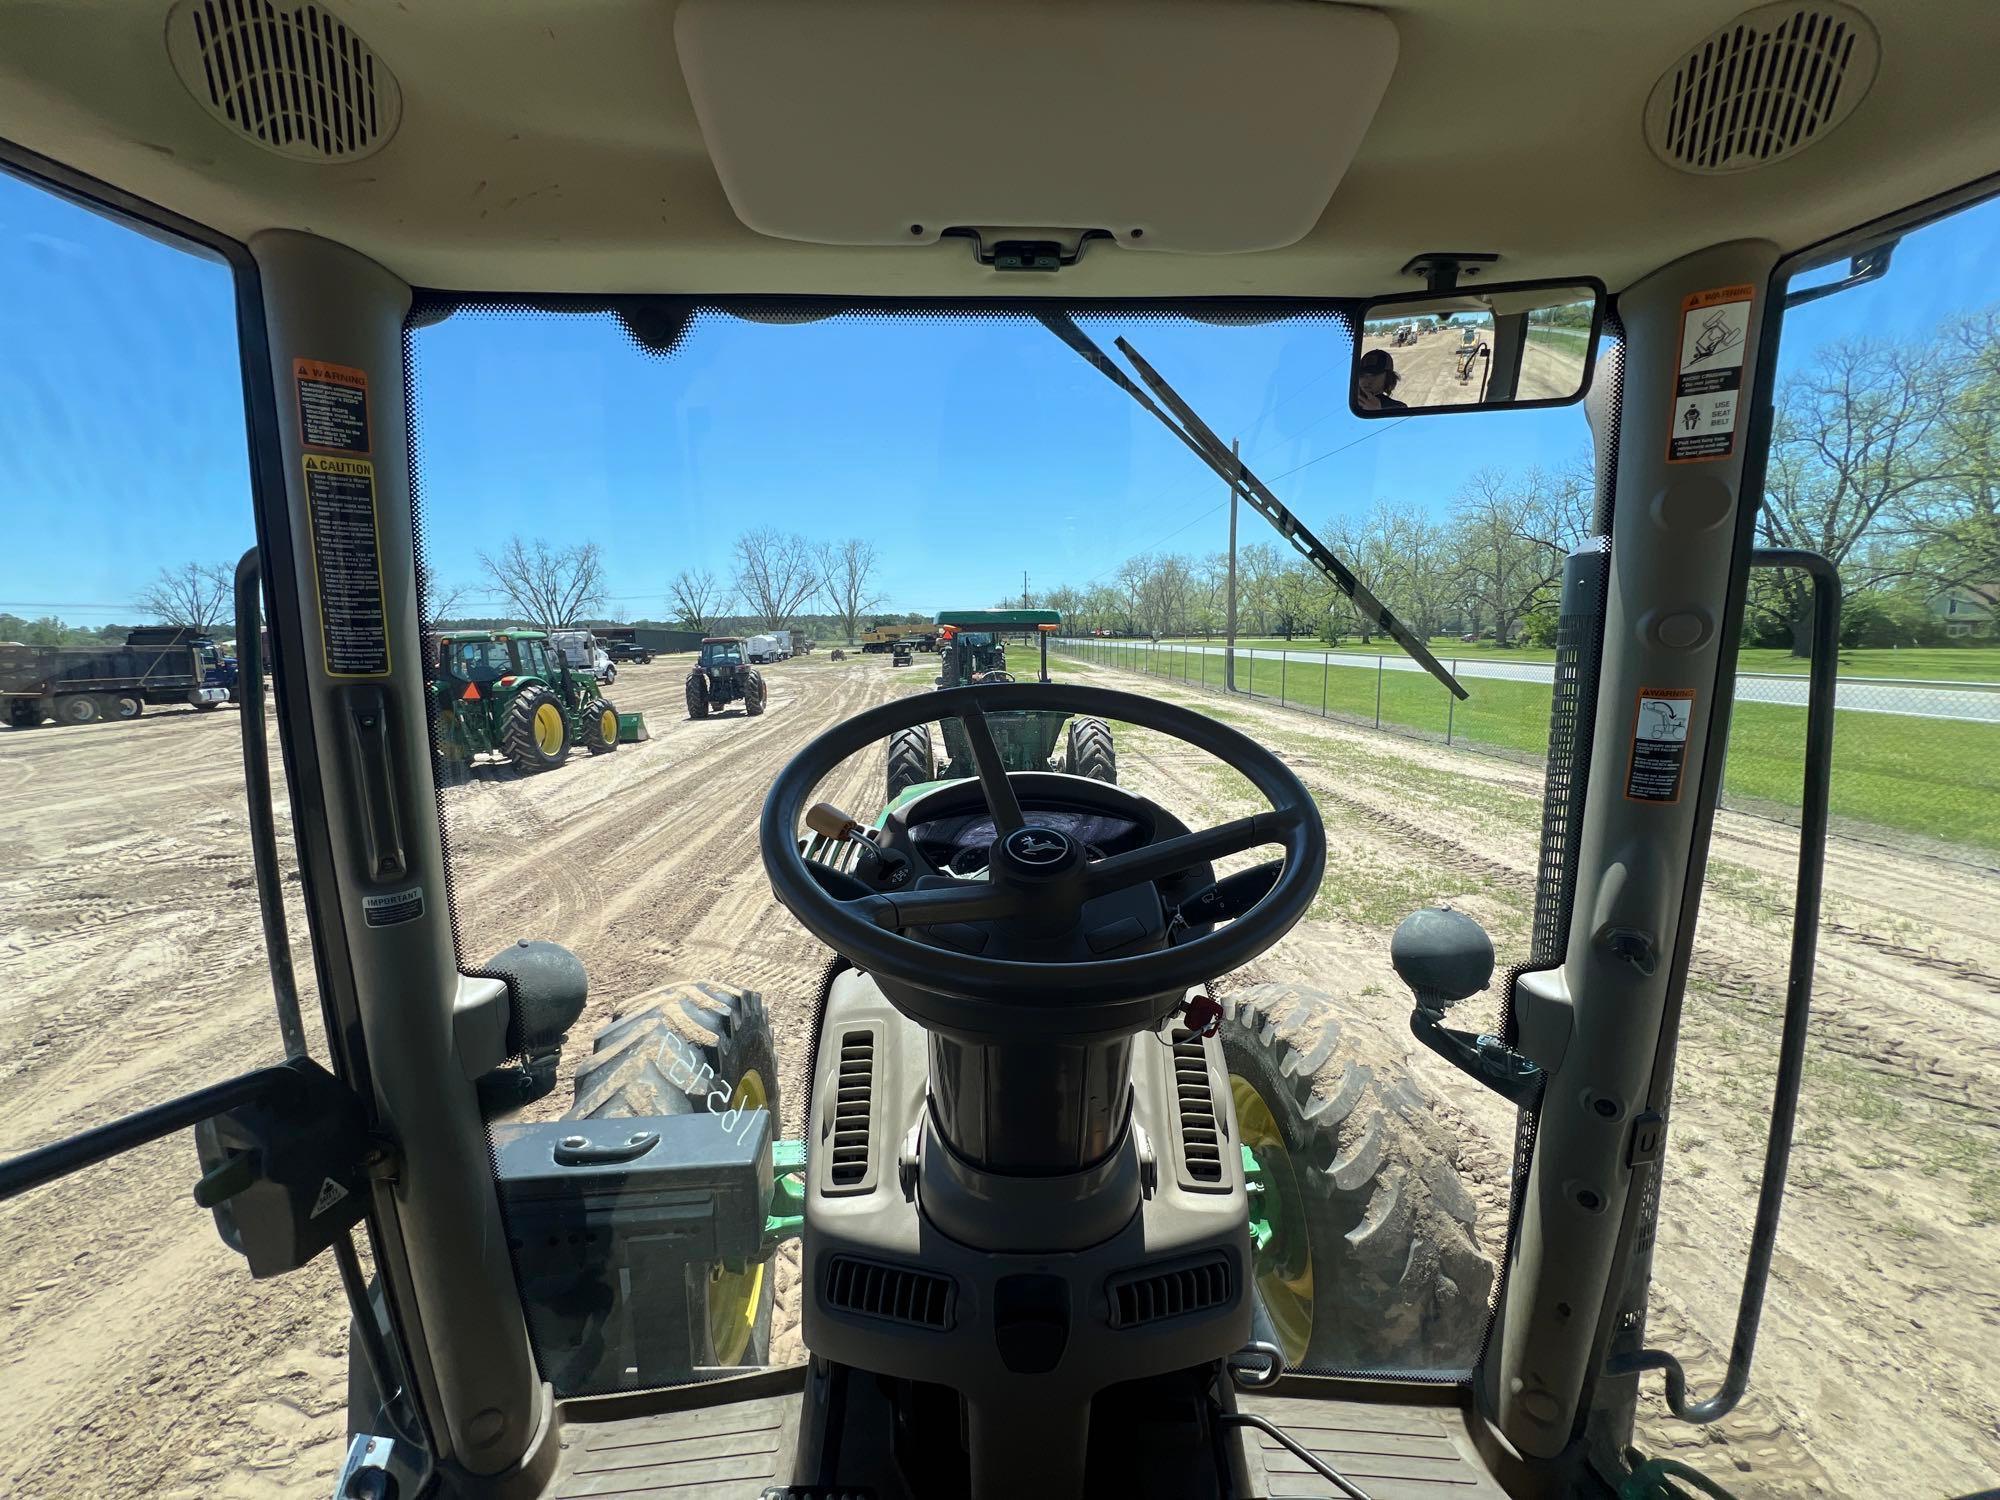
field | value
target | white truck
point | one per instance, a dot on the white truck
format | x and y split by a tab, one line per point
579	648
761	648
784	640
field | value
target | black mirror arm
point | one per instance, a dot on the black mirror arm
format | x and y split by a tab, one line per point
1512	1076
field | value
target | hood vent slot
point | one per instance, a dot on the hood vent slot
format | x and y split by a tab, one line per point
290	78
1140	1298
895	1294
853	1114
1195	1124
1762	88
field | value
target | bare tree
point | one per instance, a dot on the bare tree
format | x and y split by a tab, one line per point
775	574
847	578
697	597
440	600
548	587
194	596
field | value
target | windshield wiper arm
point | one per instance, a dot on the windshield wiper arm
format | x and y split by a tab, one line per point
1201	440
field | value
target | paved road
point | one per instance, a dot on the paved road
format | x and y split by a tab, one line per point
1971	703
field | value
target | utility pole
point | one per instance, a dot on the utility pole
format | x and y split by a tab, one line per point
1024	588
1229	646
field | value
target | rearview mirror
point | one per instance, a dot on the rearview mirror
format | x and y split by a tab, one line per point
1518	345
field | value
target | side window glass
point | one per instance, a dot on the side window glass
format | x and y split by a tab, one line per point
132	964
1885	457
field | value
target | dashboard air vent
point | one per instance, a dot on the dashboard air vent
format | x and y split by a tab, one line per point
895	1294
1142	1297
853	1110
1194	1111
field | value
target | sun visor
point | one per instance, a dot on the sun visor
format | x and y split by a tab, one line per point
1192	125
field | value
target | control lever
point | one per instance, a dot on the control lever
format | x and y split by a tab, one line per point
875	864
1228	898
1444	956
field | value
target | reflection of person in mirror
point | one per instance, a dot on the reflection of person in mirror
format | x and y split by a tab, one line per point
1374	378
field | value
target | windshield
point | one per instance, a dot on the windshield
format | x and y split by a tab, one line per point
812	432
478	661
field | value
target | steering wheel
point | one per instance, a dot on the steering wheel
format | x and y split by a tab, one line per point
1039	880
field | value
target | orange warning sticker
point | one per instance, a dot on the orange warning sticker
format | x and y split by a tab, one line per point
333	406
1659	745
1709	391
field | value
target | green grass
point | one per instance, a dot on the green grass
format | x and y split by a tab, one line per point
1934	777
1926	663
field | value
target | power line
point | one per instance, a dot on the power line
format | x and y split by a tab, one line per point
1375	431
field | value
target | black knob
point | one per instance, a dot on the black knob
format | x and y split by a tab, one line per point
1442	955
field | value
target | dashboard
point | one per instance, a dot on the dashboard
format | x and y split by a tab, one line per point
961	844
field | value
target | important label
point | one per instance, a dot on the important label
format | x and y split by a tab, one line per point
1708	387
347	565
333	406
394	908
1659	744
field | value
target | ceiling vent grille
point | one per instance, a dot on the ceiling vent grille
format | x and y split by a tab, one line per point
1762	88
1194	1110
292	79
895	1294
1143	1297
853	1112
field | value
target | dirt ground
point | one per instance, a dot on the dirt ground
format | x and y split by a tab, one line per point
138	1358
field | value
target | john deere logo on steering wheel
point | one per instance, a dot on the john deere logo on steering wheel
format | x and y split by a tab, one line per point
1037	846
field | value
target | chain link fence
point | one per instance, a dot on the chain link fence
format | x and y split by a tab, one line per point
1911	756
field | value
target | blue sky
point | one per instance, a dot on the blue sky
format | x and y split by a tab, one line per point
967	450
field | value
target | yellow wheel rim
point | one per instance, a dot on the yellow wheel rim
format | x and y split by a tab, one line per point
734	1296
1282	1272
549	728
608	724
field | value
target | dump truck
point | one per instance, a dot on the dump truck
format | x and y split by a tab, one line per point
84	684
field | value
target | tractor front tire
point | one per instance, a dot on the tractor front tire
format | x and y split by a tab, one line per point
697	696
535	733
600	727
753	695
694	1047
912	761
1090	752
1371	1264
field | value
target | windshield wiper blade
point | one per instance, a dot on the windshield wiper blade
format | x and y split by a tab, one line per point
1201	440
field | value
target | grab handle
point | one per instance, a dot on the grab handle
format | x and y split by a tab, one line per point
1798	1005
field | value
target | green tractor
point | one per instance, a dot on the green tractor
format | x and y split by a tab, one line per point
971	651
509	692
723	675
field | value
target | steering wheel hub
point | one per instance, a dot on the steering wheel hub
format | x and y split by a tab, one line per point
1034	853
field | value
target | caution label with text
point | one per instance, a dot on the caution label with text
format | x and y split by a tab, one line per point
1659	744
347	565
333	406
1708	385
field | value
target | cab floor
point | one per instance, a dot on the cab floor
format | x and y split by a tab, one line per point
738	1450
